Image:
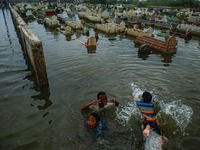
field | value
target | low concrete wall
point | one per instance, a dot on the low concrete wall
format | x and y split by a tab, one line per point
33	47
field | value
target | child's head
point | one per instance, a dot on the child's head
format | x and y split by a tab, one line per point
103	97
146	97
93	120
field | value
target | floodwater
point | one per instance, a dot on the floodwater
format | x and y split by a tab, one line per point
34	117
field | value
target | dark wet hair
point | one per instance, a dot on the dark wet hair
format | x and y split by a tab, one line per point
100	93
96	116
146	97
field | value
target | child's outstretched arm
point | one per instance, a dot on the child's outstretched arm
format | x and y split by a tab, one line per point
147	131
114	101
87	105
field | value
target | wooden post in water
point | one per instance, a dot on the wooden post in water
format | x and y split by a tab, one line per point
33	47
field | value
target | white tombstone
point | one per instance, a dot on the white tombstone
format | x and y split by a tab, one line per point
122	24
68	30
149	32
68	10
78	21
105	14
54	18
55	22
76	16
98	16
164	19
29	13
88	13
112	27
65	15
29	7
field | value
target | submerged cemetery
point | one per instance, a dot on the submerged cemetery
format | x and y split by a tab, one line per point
115	20
69	18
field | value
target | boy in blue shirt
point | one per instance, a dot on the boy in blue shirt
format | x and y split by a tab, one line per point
100	125
100	128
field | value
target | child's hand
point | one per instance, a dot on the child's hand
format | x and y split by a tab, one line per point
112	100
95	102
147	131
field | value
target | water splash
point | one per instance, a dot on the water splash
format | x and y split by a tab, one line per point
137	92
180	113
155	142
171	116
125	112
130	109
174	111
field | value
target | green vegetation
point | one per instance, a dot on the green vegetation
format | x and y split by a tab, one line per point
98	1
170	3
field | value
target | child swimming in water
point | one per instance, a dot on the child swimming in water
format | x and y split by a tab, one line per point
101	103
146	107
100	126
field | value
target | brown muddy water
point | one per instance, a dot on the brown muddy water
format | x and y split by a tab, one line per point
38	118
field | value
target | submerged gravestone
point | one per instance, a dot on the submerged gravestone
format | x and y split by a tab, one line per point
134	19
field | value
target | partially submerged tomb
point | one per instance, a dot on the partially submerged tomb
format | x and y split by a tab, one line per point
136	32
51	22
111	28
164	46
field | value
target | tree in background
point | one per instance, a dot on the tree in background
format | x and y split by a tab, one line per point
143	4
171	3
175	3
130	1
68	1
185	3
98	1
112	2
